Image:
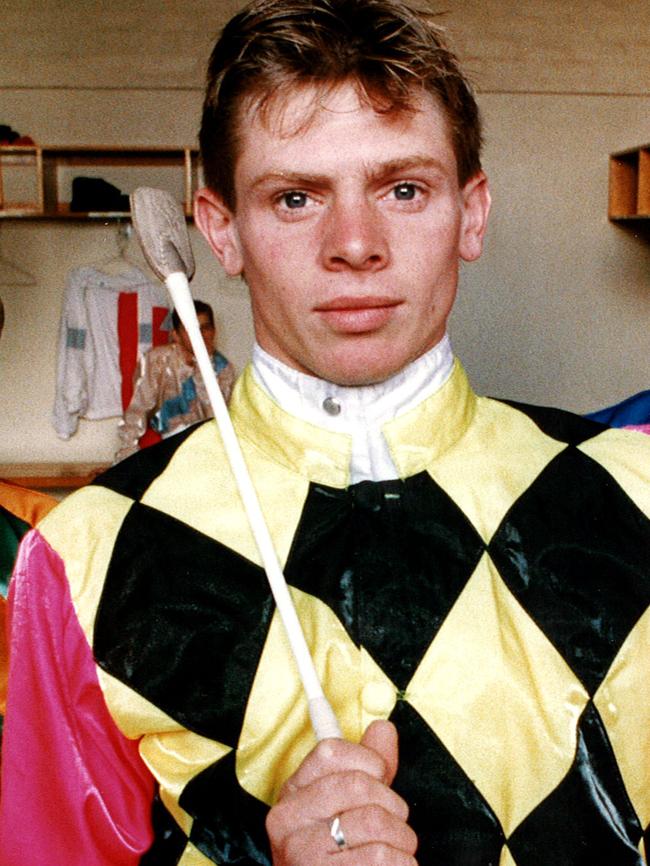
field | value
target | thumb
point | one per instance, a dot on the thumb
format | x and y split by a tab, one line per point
381	737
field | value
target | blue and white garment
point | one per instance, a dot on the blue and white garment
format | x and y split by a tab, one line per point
168	396
89	377
163	421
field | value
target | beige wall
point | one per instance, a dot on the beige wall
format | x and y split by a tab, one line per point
558	309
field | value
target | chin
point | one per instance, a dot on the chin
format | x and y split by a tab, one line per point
359	373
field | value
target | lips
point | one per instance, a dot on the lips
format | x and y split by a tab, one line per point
358	315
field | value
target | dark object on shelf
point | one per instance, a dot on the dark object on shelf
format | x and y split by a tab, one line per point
10	136
7	134
96	194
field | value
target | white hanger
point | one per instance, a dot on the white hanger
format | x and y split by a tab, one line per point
120	262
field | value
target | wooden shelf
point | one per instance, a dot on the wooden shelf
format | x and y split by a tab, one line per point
36	181
48	476
629	185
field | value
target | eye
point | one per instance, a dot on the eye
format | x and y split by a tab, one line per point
294	199
405	191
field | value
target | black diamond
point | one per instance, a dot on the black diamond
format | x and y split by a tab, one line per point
559	424
453	822
229	823
169	840
132	477
588	818
390	558
182	621
575	551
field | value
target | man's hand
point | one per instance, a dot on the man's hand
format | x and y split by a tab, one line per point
351	782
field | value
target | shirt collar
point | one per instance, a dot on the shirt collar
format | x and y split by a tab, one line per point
377	434
347	409
414	440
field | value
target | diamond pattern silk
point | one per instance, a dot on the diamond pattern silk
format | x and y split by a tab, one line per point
493	604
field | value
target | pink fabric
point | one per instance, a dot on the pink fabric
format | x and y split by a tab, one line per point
642	428
75	791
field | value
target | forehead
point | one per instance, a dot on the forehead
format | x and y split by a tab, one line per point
311	123
203	320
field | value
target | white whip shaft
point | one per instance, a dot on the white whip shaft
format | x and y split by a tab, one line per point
323	718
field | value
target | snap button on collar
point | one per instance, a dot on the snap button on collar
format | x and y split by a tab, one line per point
331	406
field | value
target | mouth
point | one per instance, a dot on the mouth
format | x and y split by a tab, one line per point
358	315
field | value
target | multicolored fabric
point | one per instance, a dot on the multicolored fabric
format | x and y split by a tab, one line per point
168	395
494	604
107	322
631	412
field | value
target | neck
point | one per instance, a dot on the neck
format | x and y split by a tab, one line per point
359	411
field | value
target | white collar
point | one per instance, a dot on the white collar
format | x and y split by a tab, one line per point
358	411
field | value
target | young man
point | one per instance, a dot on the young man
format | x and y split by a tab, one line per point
471	576
168	392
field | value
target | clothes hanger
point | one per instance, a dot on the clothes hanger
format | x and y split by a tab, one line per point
120	262
11	274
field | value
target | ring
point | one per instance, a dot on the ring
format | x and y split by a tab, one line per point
336	832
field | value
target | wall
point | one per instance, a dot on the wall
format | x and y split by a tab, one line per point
557	310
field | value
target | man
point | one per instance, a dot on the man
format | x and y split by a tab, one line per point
169	394
471	576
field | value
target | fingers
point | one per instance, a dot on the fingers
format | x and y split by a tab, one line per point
339	792
369	824
377	756
317	846
351	782
381	738
368	835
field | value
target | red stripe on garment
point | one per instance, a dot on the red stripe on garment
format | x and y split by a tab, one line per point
127	335
74	789
159	337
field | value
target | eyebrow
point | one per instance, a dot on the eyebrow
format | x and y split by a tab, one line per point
372	172
404	165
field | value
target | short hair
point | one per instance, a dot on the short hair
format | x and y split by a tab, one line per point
200	307
387	48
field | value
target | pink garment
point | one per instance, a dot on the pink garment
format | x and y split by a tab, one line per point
642	428
70	766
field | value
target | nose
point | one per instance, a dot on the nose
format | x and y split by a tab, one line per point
354	237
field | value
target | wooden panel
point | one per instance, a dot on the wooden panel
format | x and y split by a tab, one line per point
586	46
643	203
623	185
20	180
629	184
44	476
50	173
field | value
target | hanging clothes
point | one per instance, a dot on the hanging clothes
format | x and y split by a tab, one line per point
107	322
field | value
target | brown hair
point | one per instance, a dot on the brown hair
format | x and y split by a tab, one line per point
199	307
387	48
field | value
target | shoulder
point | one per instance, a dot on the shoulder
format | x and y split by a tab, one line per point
221	363
558	424
133	477
162	353
577	447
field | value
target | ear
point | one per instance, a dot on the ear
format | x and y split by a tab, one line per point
476	201
217	225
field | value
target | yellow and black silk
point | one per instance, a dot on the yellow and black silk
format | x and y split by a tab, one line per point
494	603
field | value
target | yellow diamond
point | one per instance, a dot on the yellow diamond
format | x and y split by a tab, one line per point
500	697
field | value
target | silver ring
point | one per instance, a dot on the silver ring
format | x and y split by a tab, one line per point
336	832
